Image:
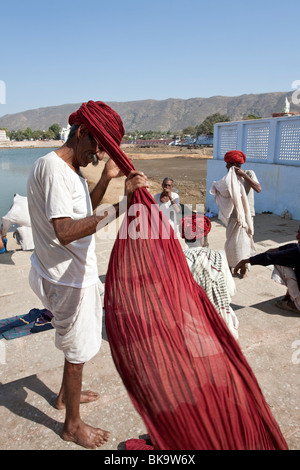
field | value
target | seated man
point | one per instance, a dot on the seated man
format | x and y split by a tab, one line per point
209	268
286	261
168	202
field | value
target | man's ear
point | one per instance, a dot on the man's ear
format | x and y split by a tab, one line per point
82	131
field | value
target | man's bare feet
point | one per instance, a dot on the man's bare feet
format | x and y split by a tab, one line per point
86	396
85	435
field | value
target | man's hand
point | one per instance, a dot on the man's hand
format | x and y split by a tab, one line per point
243	174
240	172
111	170
241	266
135	180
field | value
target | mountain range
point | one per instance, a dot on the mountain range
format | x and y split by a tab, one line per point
170	114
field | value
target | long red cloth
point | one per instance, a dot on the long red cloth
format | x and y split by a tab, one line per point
183	370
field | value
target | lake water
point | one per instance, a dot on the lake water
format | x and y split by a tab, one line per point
15	165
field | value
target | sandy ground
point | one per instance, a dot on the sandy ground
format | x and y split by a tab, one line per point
31	144
186	167
31	367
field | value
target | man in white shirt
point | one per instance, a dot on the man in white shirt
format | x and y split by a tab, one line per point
168	202
234	195
64	271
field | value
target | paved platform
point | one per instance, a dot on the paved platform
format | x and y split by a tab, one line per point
31	367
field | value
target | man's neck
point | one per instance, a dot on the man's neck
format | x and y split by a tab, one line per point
67	154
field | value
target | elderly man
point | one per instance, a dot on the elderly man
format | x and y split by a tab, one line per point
168	202
64	266
286	261
235	198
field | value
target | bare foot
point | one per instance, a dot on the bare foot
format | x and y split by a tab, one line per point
85	435
86	396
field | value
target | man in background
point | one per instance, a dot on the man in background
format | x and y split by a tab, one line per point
168	202
235	198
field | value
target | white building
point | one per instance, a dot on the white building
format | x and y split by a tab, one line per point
65	132
3	136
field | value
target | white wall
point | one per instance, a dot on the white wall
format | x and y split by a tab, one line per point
272	148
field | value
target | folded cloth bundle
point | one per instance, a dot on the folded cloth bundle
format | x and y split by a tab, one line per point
34	321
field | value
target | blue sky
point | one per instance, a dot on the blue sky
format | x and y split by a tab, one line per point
60	52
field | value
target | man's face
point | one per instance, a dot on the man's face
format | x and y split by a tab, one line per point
88	149
167	185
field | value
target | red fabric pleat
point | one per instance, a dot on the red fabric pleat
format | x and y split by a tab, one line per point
184	372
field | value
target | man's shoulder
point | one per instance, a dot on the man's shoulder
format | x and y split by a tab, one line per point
49	163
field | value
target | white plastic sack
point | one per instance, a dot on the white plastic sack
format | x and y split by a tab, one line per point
18	214
23	236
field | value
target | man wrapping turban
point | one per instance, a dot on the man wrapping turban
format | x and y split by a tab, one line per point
64	273
235	198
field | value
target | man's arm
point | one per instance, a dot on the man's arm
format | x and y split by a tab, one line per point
254	184
174	201
68	230
289	257
110	171
175	204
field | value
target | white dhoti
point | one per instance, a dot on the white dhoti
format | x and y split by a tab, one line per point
287	277
230	195
77	316
239	244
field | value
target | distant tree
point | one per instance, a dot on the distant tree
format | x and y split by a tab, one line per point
55	129
190	130
27	133
37	135
207	126
48	135
251	116
19	135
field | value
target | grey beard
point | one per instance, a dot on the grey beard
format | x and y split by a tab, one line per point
94	159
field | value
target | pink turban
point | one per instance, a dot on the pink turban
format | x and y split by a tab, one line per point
195	226
235	156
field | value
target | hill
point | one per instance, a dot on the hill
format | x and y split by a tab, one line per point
170	114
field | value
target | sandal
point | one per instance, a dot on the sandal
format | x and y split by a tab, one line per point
3	250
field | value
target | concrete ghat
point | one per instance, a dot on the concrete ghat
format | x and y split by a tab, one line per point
31	367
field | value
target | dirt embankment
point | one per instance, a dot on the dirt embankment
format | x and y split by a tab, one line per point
187	167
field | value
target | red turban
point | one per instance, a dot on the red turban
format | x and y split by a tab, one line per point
235	156
195	226
98	114
106	127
